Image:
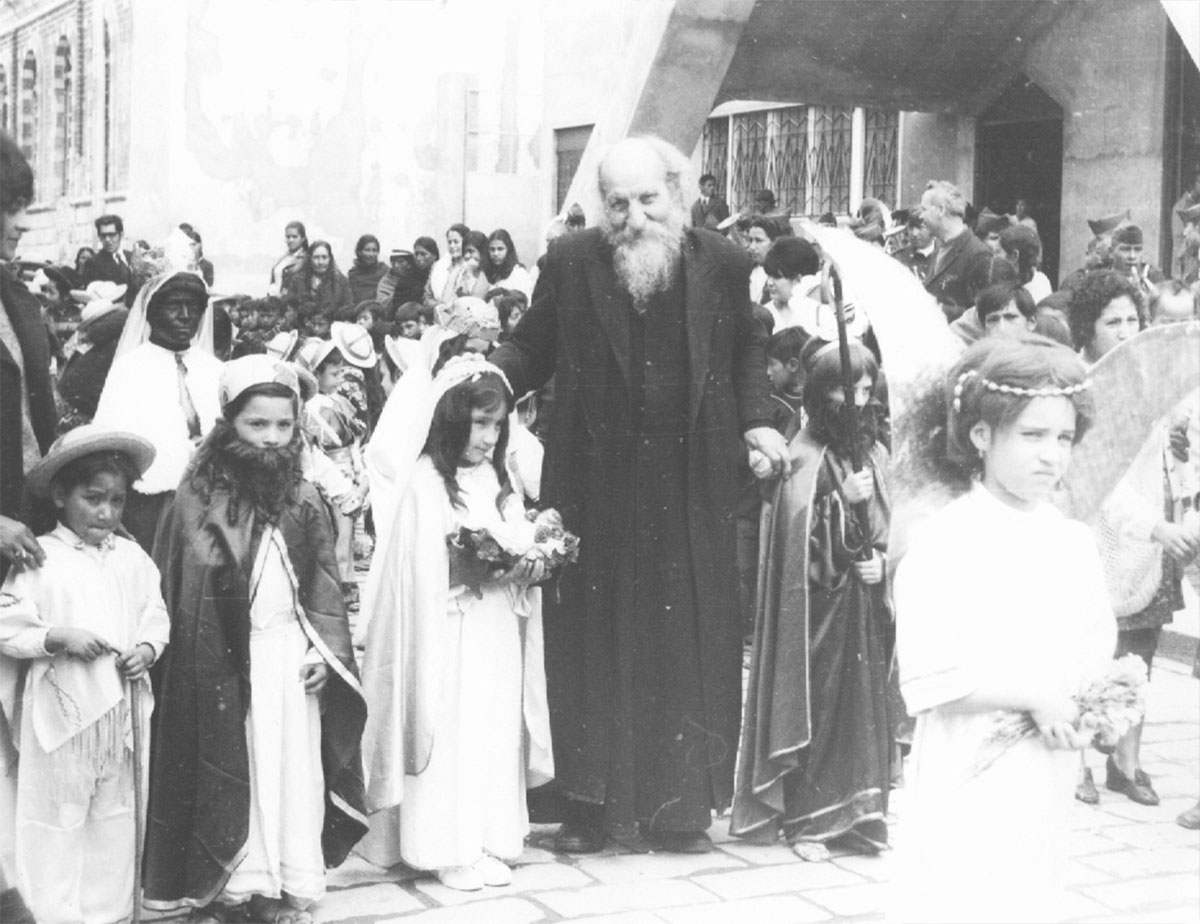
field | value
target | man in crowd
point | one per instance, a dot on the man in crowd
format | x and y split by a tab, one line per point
659	366
1189	257
110	263
959	254
1127	246
917	253
757	240
162	386
1023	215
1183	252
710	209
988	227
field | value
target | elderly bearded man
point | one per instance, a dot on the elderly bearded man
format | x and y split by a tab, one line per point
659	368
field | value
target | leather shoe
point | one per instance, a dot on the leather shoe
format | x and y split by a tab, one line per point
679	841
1138	789
1085	789
1190	819
577	837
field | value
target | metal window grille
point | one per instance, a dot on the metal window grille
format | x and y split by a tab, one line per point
787	143
108	108
748	139
29	109
3	99
879	154
829	160
62	114
714	149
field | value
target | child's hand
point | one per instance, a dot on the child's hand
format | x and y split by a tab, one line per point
859	486
870	572
526	571
134	663
314	676
77	643
1055	719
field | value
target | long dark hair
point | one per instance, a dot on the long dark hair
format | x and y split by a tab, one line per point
267	480
363	242
826	420
299	226
451	429
427	243
504	270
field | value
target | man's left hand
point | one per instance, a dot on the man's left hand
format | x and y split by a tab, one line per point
770	443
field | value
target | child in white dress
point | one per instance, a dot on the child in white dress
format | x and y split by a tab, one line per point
77	636
1000	608
455	685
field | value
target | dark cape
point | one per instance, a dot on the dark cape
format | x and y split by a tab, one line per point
200	778
643	642
817	736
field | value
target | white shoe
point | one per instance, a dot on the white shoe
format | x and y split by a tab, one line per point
461	878
493	871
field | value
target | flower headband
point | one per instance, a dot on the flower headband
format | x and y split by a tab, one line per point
1050	391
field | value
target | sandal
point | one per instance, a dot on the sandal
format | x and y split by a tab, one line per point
811	851
287	915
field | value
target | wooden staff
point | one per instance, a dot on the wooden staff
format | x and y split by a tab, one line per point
135	711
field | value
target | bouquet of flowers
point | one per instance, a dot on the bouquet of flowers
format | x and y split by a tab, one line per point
1111	704
478	555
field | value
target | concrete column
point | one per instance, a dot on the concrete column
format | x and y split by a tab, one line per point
858	140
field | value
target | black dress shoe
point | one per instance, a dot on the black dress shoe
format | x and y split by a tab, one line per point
679	841
1138	789
577	837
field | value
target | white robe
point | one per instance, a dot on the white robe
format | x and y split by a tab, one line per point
71	839
283	738
987	591
479	724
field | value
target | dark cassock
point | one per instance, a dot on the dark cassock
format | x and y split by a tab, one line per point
817	735
643	643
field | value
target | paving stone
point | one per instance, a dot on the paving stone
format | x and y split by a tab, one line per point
496	911
1084	844
876	867
535	855
769	880
542	876
1168	915
851	900
1077	873
1073	906
636	867
778	908
1159	834
760	854
443	896
1133	864
1172	750
357	871
623	917
630	896
1155	732
1131	811
386	898
1130	894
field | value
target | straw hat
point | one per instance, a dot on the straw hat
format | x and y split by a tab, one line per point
83	441
354	343
256	369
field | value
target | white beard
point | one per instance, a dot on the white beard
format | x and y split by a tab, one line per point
645	261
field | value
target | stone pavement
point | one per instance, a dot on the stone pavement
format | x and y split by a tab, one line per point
1128	863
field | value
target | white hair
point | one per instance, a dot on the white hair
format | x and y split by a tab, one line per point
677	168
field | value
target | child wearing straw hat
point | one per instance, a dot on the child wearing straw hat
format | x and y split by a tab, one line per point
77	636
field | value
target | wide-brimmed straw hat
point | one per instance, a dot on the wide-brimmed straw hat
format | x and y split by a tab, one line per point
83	441
354	343
256	369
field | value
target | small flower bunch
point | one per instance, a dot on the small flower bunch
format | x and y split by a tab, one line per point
477	555
1111	704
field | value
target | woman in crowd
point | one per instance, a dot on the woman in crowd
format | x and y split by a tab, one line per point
296	239
1142	549
82	255
1022	248
472	280
1000	608
443	275
319	283
501	267
367	270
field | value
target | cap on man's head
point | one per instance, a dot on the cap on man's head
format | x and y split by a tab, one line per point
1127	234
1190	214
1107	224
399	252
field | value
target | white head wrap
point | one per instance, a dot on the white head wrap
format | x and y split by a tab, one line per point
137	325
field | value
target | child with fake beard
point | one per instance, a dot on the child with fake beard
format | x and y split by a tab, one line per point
817	732
257	774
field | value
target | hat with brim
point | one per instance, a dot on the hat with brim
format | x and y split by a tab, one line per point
243	373
354	343
84	441
283	344
403	351
314	352
95	311
307	382
1190	214
100	290
1107	224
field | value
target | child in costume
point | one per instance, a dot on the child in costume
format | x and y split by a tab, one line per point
257	770
1001	609
330	421
816	740
77	636
455	684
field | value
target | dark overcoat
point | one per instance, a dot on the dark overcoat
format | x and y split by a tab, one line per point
578	330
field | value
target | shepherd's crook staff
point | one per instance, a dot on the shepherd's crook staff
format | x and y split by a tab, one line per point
135	713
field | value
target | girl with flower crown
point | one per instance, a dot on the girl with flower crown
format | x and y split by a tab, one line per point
455	684
1001	609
